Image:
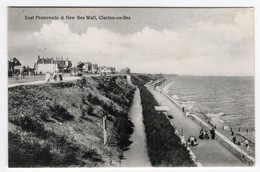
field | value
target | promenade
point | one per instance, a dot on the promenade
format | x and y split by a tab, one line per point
210	153
41	80
137	156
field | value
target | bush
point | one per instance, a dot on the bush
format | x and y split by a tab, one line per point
62	84
82	82
92	154
124	128
31	125
23	154
164	146
60	113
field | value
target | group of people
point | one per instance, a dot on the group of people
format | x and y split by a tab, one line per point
56	76
192	141
205	135
241	143
186	112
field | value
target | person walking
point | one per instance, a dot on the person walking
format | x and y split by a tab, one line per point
247	144
55	77
242	144
60	76
234	139
213	134
201	136
187	113
206	135
47	77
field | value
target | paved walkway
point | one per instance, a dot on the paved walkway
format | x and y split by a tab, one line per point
137	156
43	82
210	153
65	79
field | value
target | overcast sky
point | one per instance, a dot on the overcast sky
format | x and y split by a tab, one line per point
190	41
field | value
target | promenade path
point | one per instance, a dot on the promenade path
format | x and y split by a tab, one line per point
137	156
210	153
65	79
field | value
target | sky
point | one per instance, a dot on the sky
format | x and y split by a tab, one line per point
184	41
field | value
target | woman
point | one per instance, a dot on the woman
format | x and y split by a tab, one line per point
206	135
212	132
201	136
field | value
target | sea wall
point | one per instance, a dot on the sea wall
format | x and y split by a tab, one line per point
241	154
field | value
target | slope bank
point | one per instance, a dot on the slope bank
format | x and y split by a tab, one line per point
60	124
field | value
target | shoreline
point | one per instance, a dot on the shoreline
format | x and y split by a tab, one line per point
214	120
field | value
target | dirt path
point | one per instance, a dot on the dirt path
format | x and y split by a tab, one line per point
137	156
209	152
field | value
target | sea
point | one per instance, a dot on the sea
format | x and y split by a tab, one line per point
228	99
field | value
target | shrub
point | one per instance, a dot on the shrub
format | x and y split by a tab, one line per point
91	111
60	113
92	154
62	84
23	154
31	125
82	82
164	146
124	128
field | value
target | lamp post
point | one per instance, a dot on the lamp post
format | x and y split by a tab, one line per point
104	129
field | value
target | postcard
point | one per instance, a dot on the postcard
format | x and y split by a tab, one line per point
131	87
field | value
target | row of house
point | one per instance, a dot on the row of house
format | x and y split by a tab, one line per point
91	68
51	65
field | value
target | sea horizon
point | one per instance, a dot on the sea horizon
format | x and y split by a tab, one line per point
231	98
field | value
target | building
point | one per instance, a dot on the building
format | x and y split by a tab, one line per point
112	69
125	70
85	66
95	69
51	65
13	64
63	65
14	67
104	71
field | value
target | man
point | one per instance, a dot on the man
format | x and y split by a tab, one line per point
47	77
212	132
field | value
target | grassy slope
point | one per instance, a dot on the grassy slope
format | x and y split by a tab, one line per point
164	146
60	124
